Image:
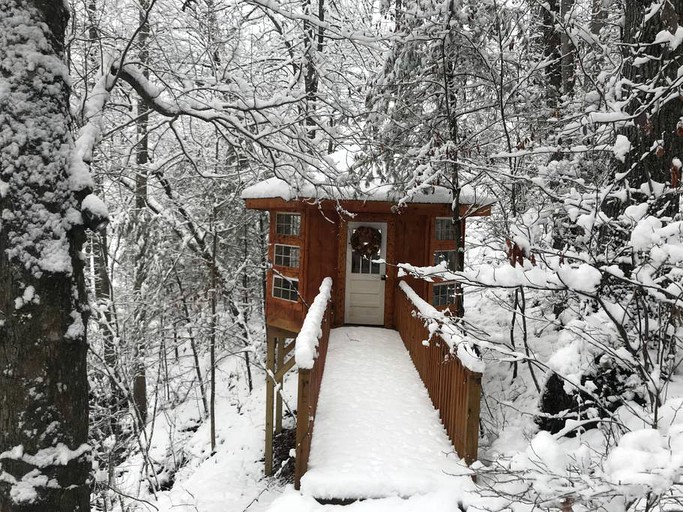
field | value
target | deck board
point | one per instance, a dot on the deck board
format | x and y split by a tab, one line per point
376	432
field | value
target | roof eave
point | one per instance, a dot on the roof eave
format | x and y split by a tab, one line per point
361	206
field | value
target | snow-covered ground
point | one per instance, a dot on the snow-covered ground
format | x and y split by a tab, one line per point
229	480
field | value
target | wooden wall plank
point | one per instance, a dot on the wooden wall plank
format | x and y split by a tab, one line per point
340	285
390	270
321	246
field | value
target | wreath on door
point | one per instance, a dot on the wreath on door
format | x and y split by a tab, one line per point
366	241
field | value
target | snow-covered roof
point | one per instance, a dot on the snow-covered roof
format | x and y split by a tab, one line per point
342	185
279	188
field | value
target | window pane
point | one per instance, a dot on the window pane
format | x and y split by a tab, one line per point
443	294
361	264
288	224
447	256
445	229
287	256
285	288
355	262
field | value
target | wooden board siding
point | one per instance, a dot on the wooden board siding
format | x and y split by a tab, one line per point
321	252
391	272
339	298
413	242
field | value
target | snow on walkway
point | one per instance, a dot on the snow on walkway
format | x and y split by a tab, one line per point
376	431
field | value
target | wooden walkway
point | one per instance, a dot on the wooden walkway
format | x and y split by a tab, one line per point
376	431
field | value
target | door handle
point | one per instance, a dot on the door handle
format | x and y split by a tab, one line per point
384	277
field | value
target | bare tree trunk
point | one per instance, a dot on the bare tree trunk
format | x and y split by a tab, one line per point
451	102
212	405
245	300
558	50
552	52
567	63
193	344
313	47
141	159
115	401
44	456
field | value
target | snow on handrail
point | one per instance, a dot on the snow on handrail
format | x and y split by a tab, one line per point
305	348
439	321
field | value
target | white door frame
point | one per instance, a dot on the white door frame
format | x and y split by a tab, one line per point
379	279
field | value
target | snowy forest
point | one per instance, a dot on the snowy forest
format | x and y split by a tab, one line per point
133	278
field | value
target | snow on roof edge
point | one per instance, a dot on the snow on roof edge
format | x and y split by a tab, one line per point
272	188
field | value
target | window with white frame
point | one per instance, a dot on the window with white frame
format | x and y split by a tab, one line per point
443	294
445	228
288	224
287	255
285	288
448	256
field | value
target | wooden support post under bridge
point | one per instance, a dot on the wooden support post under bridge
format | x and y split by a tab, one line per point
276	368
279	363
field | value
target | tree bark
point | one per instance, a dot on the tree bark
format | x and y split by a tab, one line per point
599	15
44	456
558	50
654	137
141	159
313	48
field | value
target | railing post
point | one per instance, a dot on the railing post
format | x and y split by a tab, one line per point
473	411
303	441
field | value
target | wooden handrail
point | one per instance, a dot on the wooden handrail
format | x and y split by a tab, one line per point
308	392
454	389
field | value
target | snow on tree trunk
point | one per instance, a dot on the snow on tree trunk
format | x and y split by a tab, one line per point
44	458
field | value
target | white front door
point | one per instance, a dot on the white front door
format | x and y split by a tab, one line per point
364	279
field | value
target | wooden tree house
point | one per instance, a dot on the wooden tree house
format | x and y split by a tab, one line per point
314	235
